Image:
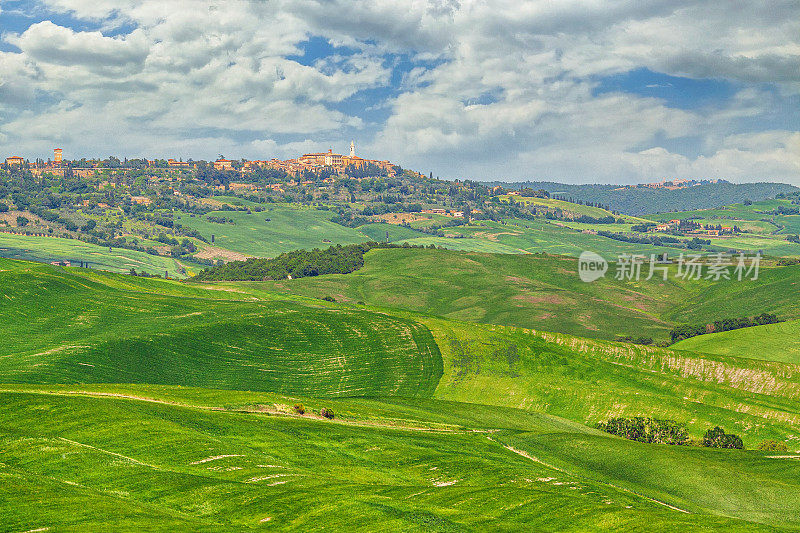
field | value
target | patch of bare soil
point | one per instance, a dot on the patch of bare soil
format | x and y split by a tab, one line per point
214	252
539	298
400	218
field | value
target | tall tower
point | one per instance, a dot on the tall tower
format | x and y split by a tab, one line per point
57	156
352	149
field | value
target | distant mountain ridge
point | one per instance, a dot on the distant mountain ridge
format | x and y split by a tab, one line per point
642	200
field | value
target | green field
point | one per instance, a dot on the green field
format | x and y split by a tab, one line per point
545	292
535	236
144	404
773	342
98	462
49	249
127	336
290	227
730	212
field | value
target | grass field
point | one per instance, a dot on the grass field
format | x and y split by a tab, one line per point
121	463
290	227
535	236
49	249
773	342
545	292
143	404
86	331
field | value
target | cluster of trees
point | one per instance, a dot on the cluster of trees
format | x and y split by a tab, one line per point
646	429
609	219
297	264
784	210
644	227
656	431
655	240
582	202
686	331
527	192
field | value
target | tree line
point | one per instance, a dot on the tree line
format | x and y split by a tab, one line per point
686	331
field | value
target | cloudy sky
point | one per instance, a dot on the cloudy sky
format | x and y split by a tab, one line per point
570	90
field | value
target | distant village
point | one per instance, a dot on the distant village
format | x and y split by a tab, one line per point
671	185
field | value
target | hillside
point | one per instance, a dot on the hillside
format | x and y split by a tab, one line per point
64	327
431	413
545	292
49	249
773	342
638	201
219	465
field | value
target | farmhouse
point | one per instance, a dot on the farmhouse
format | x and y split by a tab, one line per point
14	160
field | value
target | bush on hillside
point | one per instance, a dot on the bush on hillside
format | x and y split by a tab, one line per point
646	429
717	438
327	412
773	446
299	408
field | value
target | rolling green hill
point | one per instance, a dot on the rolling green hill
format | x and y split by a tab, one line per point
773	342
640	200
441	425
49	249
99	459
545	292
66	328
290	227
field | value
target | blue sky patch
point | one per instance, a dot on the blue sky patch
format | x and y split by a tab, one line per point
676	92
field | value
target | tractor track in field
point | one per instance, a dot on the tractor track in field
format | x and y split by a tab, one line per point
530	457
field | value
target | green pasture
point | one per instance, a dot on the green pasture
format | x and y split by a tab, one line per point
102	462
49	249
290	227
142	404
772	342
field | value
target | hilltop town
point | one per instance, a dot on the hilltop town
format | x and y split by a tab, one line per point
307	165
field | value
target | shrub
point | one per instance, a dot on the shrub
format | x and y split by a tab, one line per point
717	438
327	412
329	298
299	408
773	446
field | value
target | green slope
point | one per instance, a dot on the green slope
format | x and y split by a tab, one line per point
545	292
49	249
66	328
588	381
496	435
773	342
102	462
290	227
